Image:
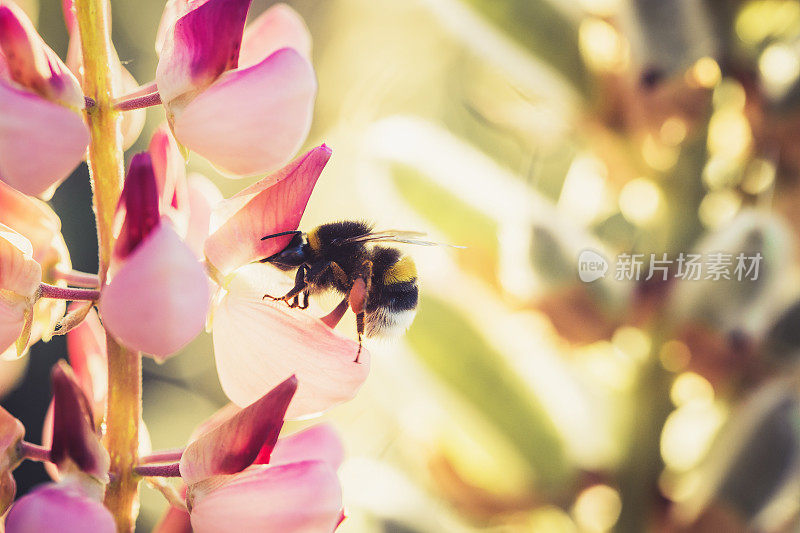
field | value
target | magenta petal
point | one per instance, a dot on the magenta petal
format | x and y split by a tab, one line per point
169	168
40	142
74	438
252	120
61	507
298	498
317	443
278	27
138	209
234	445
86	346
258	344
31	63
272	205
201	45
158	298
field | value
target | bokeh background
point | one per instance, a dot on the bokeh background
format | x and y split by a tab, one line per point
527	130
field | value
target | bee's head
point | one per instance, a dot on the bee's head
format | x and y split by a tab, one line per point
292	256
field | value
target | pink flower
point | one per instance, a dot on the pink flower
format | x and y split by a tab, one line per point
36	221
42	133
258	343
187	202
67	507
244	118
229	489
157	294
20	276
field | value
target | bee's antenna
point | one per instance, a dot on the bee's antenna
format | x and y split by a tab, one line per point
281	234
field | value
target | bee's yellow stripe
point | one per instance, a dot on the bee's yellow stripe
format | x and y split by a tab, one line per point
403	270
313	239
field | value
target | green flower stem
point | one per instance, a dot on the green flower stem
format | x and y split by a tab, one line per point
106	170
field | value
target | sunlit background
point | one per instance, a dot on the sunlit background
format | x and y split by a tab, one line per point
528	130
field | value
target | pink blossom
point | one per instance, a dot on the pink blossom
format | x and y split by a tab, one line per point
42	133
66	507
245	119
36	221
157	294
20	276
228	489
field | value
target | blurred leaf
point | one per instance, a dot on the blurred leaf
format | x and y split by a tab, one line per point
456	353
462	224
544	30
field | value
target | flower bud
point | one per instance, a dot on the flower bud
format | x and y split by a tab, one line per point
64	507
20	277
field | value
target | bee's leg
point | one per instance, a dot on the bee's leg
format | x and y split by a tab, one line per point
360	330
358	301
304	300
300	285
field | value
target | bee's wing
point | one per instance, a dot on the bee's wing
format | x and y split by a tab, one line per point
405	237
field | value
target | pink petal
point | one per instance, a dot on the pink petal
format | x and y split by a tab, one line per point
234	445
298	498
317	443
74	439
272	205
174	521
40	142
157	300
31	63
86	346
260	343
278	27
137	213
203	197
11	433
62	507
36	221
251	120
169	168
20	276
200	46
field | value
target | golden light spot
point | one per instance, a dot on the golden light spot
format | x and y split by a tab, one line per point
691	387
779	66
720	172
729	95
688	433
602	45
401	271
658	155
601	8
632	341
639	201
607	366
728	133
551	519
674	356
679	487
719	207
758	21
706	72
759	177
597	508
673	131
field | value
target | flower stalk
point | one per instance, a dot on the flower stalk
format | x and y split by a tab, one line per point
106	169
68	293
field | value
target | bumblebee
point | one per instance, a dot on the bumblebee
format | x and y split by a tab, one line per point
378	282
